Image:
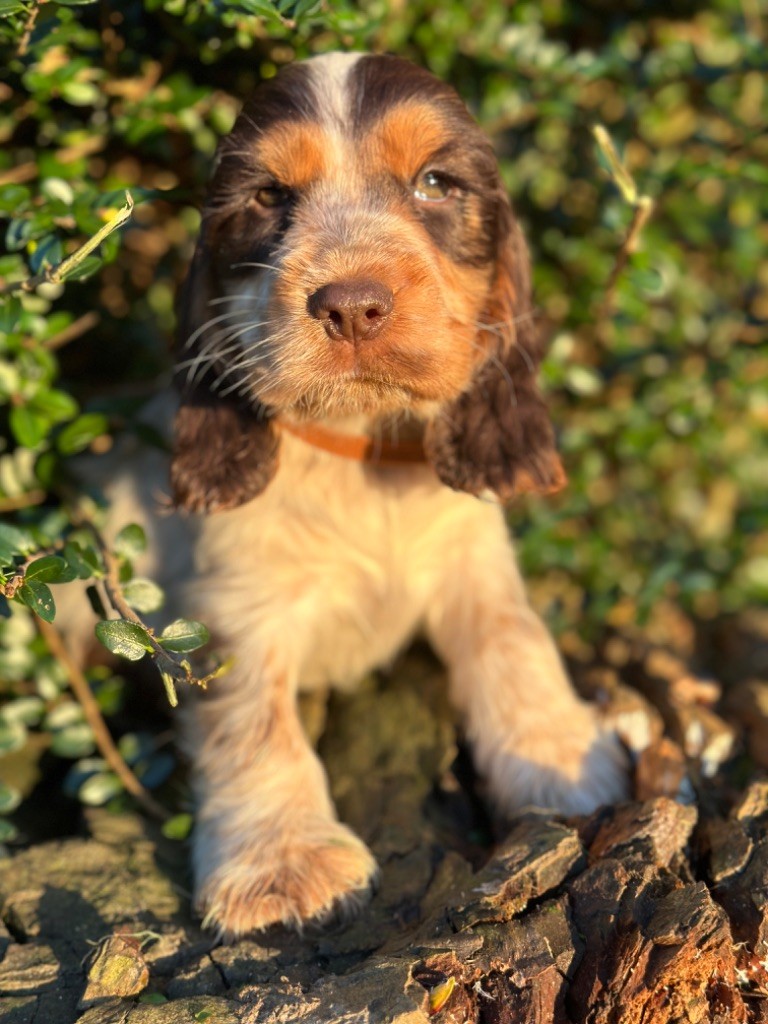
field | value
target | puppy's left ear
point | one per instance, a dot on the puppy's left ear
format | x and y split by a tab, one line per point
497	435
225	448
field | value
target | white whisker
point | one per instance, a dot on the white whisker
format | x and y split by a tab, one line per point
261	266
210	323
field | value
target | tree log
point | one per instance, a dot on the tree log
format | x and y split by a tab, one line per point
654	912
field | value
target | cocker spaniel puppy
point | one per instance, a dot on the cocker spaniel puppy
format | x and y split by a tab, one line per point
357	364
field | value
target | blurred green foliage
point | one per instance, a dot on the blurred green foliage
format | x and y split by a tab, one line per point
662	404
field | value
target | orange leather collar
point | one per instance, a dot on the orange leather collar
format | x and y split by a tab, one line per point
379	451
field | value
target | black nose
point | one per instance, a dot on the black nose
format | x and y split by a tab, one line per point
351	310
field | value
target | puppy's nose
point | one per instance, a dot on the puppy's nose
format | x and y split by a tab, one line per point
351	310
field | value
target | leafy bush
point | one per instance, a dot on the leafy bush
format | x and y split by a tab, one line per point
660	388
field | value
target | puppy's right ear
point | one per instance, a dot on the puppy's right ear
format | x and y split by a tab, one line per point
225	447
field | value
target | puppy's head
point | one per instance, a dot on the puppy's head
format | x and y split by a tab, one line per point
358	254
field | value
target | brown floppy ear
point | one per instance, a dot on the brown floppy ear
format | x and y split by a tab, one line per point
225	448
497	435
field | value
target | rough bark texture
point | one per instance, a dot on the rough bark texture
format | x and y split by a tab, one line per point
655	912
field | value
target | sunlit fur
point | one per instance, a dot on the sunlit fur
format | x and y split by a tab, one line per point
320	567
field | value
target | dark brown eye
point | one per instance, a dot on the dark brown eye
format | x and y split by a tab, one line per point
273	195
432	187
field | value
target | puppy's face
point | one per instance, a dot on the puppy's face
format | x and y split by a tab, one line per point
352	231
357	255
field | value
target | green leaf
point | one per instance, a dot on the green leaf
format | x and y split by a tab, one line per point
128	639
178	827
78	435
262	8
73	741
170	688
143	595
110	694
183	636
56	405
13	736
14	541
29	427
82	270
48	252
100	788
9	7
67	713
8	831
10	798
84	561
130	541
18	233
10	313
49	569
13	197
133	746
57	190
38	597
27	710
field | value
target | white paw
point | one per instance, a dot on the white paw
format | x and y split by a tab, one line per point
302	876
571	770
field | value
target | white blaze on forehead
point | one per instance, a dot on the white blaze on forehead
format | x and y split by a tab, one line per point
330	74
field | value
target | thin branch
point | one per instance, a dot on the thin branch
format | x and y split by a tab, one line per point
18	501
750	9
57	274
642	206
9	588
75	330
104	741
643	211
18	175
171	669
28	29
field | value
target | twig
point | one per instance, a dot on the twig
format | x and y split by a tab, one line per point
76	328
643	211
55	275
93	716
643	208
28	27
9	588
29	170
18	175
170	669
752	17
36	497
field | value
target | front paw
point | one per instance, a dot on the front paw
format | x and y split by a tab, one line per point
309	875
572	769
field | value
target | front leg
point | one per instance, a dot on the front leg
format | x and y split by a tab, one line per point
534	740
268	848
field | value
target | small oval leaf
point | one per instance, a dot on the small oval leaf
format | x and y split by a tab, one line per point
130	541
128	639
178	827
78	434
74	742
143	595
49	569
10	798
13	736
97	789
183	636
38	597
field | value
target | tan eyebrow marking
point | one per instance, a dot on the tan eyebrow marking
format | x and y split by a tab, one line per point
405	138
295	154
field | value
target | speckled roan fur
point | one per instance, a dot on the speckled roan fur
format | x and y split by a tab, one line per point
312	568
